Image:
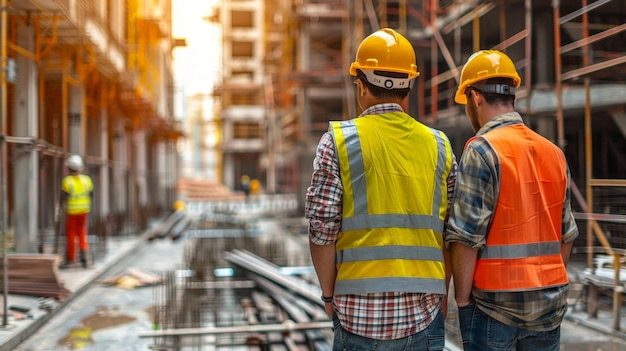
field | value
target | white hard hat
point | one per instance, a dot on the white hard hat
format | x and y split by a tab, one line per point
74	162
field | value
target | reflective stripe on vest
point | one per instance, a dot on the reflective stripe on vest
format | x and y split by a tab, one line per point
78	189
394	205
523	247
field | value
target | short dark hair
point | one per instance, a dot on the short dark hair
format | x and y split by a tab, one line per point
494	98
383	93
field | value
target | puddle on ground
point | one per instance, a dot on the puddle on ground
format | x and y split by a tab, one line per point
77	338
104	317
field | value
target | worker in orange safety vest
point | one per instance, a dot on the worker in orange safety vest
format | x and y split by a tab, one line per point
511	227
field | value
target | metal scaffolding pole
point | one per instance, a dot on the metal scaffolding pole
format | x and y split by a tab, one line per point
3	157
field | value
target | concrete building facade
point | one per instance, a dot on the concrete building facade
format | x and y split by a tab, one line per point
91	78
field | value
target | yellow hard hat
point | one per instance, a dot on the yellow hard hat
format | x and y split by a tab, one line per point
483	65
386	50
179	205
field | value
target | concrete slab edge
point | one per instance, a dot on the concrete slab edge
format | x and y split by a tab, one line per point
605	330
40	322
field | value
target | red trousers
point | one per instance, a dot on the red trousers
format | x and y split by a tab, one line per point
75	226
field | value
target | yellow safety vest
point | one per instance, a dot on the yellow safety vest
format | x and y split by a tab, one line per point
78	188
394	173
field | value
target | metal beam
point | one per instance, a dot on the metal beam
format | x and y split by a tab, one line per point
613	218
593	38
582	11
287	325
575	73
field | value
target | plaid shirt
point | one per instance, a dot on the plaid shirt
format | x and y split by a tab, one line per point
470	218
383	316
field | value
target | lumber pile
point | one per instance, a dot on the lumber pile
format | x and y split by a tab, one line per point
200	189
34	275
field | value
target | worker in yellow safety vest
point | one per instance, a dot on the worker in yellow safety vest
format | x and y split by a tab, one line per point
76	195
376	209
511	226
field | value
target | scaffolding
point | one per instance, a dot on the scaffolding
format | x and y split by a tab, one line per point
570	55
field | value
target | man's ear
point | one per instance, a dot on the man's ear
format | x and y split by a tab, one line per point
360	87
478	98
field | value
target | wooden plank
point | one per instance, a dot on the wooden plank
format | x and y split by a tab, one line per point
34	275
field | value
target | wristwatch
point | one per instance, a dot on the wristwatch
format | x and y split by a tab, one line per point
327	299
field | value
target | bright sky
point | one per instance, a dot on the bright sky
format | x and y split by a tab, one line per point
196	71
195	66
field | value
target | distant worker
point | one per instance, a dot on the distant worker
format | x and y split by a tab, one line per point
255	186
245	185
511	226
179	205
376	209
76	194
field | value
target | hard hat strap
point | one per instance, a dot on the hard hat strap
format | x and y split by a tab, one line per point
503	89
387	82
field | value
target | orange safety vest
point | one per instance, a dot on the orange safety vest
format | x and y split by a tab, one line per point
523	247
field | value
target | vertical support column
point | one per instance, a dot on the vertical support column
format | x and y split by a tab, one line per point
76	120
434	57
3	158
351	30
545	64
121	147
528	48
160	155
103	151
304	162
170	172
588	142
141	168
229	171
26	165
545	126
617	292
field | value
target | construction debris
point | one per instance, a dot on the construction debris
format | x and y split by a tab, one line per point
133	278
47	304
199	189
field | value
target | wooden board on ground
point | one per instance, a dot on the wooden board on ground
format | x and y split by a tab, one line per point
34	275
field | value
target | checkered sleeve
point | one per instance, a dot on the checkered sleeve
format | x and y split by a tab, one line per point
474	197
323	203
569	227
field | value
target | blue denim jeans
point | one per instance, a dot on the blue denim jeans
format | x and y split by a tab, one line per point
429	339
483	333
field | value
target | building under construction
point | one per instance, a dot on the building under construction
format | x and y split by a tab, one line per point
92	78
286	75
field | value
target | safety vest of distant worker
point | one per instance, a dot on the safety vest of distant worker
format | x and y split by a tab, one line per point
78	187
523	247
394	205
